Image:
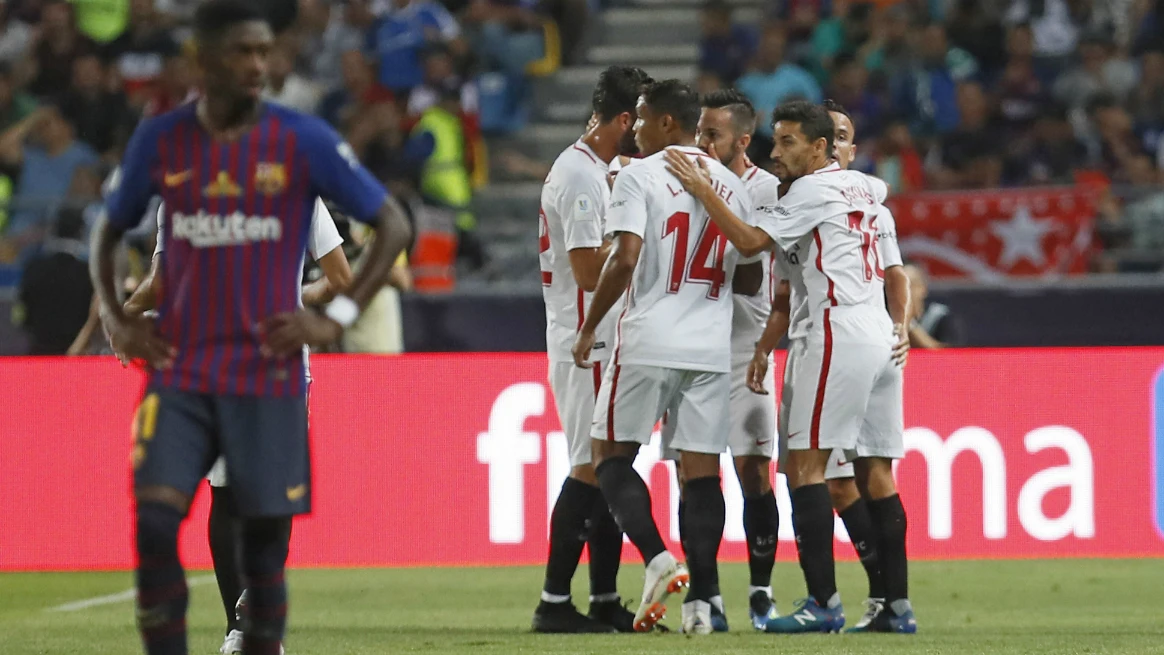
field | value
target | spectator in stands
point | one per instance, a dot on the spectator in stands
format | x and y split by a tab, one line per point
772	81
140	53
346	31
101	20
398	38
927	90
571	18
1112	141
1021	93
725	48
440	74
1099	71
15	104
1056	25
1050	154
285	86
55	291
897	160
100	118
58	45
976	29
970	155
508	34
358	92
48	163
888	52
1147	102
16	37
933	326
850	86
176	86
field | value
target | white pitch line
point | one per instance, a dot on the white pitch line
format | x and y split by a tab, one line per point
119	597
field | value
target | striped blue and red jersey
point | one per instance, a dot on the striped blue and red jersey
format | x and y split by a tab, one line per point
239	214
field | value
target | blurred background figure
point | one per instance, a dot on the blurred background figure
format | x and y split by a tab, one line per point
933	324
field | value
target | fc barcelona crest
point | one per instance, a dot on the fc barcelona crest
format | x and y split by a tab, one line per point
270	178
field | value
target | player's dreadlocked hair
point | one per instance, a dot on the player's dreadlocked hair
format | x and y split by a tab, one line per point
814	120
677	100
831	105
214	17
618	90
742	111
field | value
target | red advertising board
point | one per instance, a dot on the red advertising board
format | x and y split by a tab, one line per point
1001	232
454	460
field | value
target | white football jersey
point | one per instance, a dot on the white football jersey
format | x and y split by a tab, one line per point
574	201
678	310
750	313
827	224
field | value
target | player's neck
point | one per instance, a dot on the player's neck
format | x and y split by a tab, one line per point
225	119
738	166
603	141
682	141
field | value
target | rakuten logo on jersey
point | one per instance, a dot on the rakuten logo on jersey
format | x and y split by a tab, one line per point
204	230
980	478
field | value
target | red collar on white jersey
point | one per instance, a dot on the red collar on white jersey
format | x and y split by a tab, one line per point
581	146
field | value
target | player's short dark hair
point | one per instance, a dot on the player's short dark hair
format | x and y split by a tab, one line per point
742	111
815	121
676	99
214	17
617	91
833	106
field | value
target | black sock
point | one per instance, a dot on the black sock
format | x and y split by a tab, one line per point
680	516
222	531
162	595
859	525
761	525
265	543
630	503
705	518
889	517
812	516
605	552
568	529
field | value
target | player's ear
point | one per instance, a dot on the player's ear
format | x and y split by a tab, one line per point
745	141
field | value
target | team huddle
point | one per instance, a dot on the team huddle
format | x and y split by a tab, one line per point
668	281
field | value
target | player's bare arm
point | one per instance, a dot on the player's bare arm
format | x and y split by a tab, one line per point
748	279
897	295
586	263
696	179
774	331
135	337
145	296
284	334
612	284
337	277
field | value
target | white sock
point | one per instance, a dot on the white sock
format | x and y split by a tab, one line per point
717	603
901	606
555	598
605	598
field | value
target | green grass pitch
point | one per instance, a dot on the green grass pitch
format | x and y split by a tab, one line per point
995	607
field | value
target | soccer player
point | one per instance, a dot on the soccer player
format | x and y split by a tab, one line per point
573	251
239	179
846	499
324	246
725	131
847	393
672	350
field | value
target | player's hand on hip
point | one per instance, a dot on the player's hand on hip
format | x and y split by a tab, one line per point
694	176
138	338
901	348
582	347
286	334
757	371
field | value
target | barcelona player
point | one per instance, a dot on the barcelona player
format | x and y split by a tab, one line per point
239	179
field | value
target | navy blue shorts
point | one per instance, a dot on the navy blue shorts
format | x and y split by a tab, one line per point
178	435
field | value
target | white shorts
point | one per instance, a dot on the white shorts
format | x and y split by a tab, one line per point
839	467
847	390
574	392
752	422
634	397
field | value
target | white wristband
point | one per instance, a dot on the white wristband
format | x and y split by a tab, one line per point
343	310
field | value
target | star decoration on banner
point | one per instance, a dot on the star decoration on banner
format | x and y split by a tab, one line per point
1022	238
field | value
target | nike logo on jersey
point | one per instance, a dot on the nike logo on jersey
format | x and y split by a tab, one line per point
795	434
177	179
762	443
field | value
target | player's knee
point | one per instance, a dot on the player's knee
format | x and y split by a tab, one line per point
754	474
843	493
875	477
699	465
602	450
806	467
162	495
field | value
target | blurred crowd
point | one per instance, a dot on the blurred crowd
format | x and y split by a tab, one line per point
974	94
411	84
